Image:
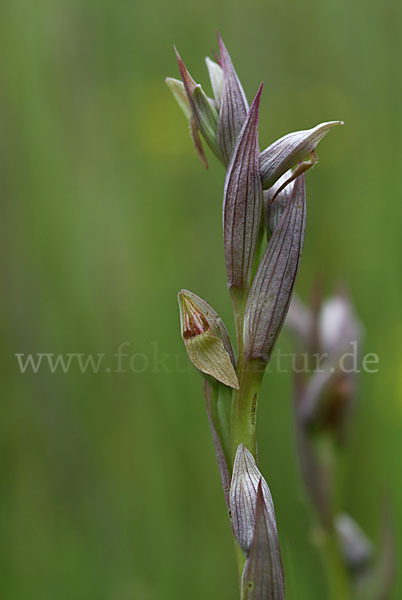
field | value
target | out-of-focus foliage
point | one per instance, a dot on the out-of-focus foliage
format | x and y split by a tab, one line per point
109	487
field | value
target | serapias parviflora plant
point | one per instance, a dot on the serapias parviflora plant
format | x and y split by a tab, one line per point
324	401
263	238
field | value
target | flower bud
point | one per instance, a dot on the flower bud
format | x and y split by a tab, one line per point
178	91
216	77
242	202
243	496
233	107
272	287
206	339
338	326
355	546
263	576
289	150
203	109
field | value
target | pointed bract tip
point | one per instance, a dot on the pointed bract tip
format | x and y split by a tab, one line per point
222	47
178	57
188	81
217	56
260	495
223	50
256	101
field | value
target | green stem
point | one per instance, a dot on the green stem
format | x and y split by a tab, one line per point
244	408
339	582
244	400
340	585
243	424
241	561
239	299
249	373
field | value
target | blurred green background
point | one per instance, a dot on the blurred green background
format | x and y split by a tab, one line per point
109	488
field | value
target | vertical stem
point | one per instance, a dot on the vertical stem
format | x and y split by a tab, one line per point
239	299
241	561
244	400
243	425
244	408
340	585
339	582
249	373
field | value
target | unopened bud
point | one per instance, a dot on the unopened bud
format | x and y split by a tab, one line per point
216	77
243	496
272	287
338	326
263	576
289	150
203	109
242	202
355	545
233	108
206	339
178	91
